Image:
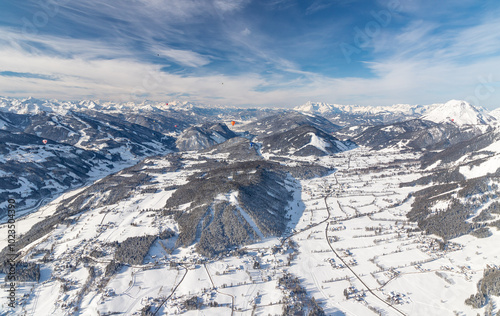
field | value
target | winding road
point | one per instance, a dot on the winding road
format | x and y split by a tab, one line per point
173	290
232	296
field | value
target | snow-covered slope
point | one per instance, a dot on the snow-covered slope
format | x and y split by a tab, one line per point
496	114
33	172
489	164
472	158
304	140
416	134
460	113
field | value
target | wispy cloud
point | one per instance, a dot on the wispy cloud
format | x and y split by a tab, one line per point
318	5
26	75
230	5
185	57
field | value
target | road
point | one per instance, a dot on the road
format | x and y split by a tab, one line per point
345	263
232	297
336	254
173	290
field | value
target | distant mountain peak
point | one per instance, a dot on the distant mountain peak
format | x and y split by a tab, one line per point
495	113
459	112
316	107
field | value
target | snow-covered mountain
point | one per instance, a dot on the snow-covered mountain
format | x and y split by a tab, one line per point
350	115
288	120
460	113
184	112
325	109
34	106
475	157
231	205
496	114
416	134
81	147
237	148
317	108
104	134
33	172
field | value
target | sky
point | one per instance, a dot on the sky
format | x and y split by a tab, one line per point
252	52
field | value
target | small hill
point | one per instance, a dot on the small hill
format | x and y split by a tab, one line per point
289	120
237	148
203	136
232	205
304	140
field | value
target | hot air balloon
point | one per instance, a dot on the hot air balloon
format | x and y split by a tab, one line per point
233	122
44	141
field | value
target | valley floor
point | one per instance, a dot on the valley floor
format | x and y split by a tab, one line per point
348	242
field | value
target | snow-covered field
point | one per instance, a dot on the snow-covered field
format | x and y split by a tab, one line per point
349	242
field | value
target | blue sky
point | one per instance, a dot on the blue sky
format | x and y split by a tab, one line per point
252	53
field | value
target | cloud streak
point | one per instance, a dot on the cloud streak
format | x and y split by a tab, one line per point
185	57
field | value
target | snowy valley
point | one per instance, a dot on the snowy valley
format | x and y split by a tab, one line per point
321	210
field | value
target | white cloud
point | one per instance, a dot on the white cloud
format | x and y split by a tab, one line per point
185	57
230	5
477	40
246	31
